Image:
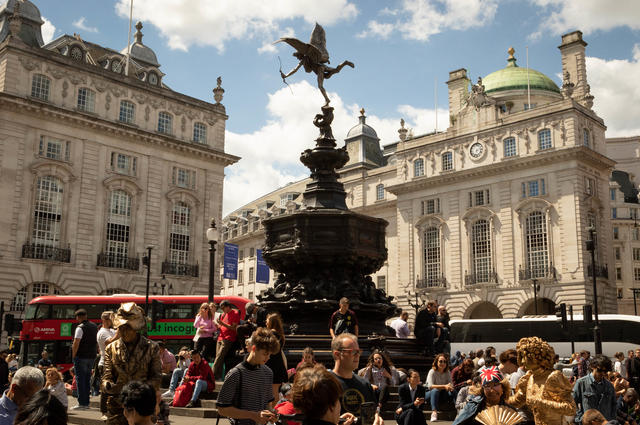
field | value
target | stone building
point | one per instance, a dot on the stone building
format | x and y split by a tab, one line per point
100	159
623	192
487	212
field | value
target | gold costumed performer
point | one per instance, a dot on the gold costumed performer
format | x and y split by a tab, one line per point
544	391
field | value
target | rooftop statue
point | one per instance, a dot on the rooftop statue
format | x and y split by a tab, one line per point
313	56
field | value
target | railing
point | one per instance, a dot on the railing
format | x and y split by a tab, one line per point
116	261
538	272
44	252
601	271
180	269
471	279
438	282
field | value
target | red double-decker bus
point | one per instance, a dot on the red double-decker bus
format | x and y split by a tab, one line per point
49	322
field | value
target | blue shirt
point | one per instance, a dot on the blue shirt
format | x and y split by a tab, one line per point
8	410
589	394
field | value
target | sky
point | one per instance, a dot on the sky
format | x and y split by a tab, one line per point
403	51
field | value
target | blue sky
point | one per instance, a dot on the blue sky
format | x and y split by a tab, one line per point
402	51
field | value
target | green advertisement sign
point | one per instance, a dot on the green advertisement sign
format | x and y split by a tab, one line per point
65	329
172	329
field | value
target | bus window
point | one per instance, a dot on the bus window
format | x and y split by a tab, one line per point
94	311
178	311
42	312
64	311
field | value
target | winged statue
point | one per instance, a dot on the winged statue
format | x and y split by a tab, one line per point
313	57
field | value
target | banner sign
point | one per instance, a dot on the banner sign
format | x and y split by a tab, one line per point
230	261
262	272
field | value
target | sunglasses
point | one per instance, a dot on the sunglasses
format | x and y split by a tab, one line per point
351	351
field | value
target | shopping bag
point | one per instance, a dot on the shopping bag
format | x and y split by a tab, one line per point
183	394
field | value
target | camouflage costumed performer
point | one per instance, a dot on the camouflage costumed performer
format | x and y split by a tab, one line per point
544	391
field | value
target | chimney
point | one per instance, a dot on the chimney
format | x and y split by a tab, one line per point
458	91
573	61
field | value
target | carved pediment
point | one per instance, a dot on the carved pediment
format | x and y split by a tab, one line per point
126	183
183	195
61	170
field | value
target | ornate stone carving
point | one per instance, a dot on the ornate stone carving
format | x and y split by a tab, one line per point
56	72
29	64
567	85
107	103
99	85
210	119
183	124
65	88
218	92
140	98
147	111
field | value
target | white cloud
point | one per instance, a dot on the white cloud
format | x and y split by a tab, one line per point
588	15
48	30
270	155
81	25
420	19
616	93
209	23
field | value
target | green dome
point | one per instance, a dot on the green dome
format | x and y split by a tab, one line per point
515	78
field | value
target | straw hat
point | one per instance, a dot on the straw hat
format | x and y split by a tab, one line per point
129	314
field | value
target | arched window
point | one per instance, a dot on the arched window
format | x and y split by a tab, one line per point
432	260
86	100
418	167
165	123
544	139
481	251
180	233
118	229
127	112
199	133
537	244
40	87
29	292
47	213
379	192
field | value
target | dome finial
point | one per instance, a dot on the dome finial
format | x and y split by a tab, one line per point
138	34
511	60
362	117
362	112
511	51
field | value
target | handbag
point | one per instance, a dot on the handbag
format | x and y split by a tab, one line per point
183	394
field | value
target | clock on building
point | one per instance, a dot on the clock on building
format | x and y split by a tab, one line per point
153	79
476	150
76	53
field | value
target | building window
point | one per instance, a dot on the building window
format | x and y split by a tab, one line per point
47	212
40	87
479	197
86	99
27	293
481	250
418	167
127	111
537	244
528	106
613	194
240	276
382	283
124	164
250	274
50	148
447	161
636	273
636	254
119	227
250	296
544	139
616	233
241	254
165	123
286	198
633	213
635	233
379	192
620	293
431	252
618	273
586	137
590	186
534	188
180	234
616	253
252	252
509	147
182	177
431	206
614	213
199	133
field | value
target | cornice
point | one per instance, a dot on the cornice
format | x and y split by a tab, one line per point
45	109
579	153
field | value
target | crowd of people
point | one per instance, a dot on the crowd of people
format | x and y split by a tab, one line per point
130	369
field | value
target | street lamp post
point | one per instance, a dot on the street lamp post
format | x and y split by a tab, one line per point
163	285
636	293
148	263
419	300
212	236
591	246
535	295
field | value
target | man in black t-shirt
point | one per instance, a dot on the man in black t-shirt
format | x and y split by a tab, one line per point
357	391
343	320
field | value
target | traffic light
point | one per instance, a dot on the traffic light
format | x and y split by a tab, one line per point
586	313
157	312
561	314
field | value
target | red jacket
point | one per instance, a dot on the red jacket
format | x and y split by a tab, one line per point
202	371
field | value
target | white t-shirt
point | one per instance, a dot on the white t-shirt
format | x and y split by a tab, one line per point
103	335
79	333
